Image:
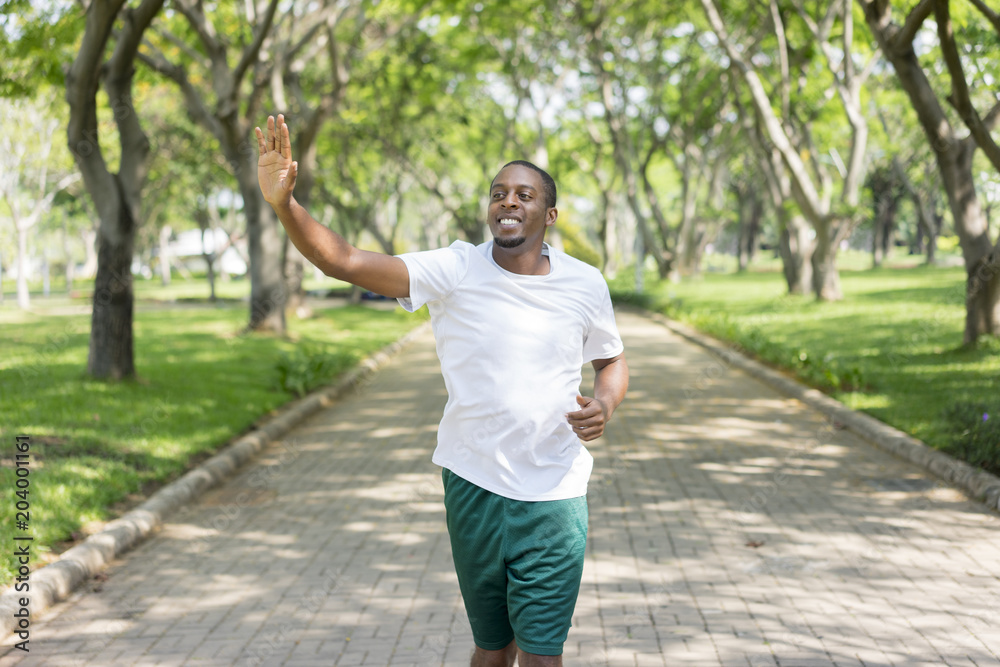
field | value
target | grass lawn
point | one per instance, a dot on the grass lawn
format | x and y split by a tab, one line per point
100	447
891	348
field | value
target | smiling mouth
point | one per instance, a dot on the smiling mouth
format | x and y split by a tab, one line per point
508	222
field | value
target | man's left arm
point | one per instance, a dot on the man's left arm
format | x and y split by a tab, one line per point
610	385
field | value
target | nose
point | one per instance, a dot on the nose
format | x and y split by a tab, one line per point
510	201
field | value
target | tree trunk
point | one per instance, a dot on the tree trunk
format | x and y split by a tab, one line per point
89	238
294	271
796	249
932	234
292	261
751	213
117	197
884	229
267	285
982	293
165	255
609	239
68	254
23	297
111	352
982	298
46	278
209	257
826	279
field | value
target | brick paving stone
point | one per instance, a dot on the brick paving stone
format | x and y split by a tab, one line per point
729	525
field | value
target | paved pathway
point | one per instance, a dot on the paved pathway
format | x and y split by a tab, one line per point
729	526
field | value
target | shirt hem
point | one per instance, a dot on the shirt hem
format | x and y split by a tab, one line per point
507	493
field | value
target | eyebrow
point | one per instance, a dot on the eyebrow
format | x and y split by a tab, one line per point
523	186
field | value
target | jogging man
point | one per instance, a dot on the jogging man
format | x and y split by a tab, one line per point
514	321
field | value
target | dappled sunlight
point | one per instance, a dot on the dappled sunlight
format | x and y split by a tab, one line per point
268	539
401	539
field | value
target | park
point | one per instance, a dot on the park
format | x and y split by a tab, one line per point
218	451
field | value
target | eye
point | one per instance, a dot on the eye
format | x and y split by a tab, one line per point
524	195
498	195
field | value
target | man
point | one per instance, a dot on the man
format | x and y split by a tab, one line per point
514	322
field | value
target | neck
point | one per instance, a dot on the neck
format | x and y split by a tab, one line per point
526	261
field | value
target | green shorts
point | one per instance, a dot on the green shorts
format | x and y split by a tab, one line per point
519	564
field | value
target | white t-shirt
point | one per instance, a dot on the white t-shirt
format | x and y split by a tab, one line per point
511	348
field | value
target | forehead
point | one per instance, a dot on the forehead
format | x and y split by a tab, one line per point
517	175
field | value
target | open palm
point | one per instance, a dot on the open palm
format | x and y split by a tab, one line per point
275	170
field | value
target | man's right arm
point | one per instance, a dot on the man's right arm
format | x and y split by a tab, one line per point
276	172
374	271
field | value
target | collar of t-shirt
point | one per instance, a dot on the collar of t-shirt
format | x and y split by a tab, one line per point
524	276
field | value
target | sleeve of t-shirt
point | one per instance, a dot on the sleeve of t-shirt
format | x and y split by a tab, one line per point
434	273
602	340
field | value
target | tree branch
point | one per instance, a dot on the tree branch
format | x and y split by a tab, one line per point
182	45
990	119
959	97
809	198
990	15
82	83
915	19
195	101
206	32
779	31
121	70
251	52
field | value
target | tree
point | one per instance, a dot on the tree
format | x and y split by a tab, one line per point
745	187
954	153
613	78
789	129
223	78
116	196
33	175
886	191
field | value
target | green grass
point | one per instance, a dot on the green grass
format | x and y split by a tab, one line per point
891	348
98	447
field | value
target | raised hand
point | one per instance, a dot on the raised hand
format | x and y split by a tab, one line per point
275	170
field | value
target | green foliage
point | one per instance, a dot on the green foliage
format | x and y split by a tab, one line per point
575	243
947	243
975	427
308	366
826	370
36	42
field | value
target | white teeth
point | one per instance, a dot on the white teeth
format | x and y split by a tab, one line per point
508	221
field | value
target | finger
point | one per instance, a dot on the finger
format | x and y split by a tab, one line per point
586	413
286	142
261	146
270	133
587	423
293	173
590	433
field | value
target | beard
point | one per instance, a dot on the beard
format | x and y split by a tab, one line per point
509	242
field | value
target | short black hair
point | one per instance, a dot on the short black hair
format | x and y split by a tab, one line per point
548	184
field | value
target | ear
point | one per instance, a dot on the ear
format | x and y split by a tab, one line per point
550	216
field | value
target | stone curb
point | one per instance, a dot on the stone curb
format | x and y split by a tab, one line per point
55	581
980	484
